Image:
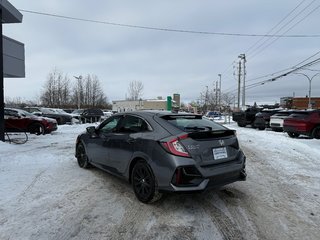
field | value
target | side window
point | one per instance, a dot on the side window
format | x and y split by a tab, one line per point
11	114
132	124
111	124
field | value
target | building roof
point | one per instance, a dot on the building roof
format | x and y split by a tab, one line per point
9	13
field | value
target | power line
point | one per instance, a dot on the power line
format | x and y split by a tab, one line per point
274	27
293	69
277	37
316	61
271	74
169	29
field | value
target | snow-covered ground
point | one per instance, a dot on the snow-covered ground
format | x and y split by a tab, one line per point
45	195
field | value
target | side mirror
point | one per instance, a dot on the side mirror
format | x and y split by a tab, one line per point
91	130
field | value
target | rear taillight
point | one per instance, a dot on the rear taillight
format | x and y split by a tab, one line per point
175	147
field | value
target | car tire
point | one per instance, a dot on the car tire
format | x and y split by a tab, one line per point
293	135
261	128
316	132
82	157
242	124
37	128
144	183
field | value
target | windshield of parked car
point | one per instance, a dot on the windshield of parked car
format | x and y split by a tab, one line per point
47	111
77	111
25	113
191	123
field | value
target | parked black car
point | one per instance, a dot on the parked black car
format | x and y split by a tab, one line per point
88	115
163	152
61	117
262	119
247	117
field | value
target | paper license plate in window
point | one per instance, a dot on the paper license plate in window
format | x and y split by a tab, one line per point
219	153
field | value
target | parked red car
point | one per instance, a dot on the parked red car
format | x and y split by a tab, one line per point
16	120
305	123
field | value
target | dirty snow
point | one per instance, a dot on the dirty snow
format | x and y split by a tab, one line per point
45	195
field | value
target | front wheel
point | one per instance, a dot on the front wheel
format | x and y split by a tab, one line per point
82	156
316	132
293	135
143	182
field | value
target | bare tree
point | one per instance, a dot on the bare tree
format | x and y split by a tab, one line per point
56	90
135	90
227	100
89	92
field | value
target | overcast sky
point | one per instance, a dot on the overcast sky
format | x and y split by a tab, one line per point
167	62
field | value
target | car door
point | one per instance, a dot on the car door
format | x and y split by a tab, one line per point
123	144
98	145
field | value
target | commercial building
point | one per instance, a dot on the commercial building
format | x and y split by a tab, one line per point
12	54
299	102
147	104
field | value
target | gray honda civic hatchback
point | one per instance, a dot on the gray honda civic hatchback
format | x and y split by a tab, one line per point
160	151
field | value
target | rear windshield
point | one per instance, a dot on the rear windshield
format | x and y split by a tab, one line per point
193	123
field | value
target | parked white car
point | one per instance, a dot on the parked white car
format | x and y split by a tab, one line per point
276	120
106	114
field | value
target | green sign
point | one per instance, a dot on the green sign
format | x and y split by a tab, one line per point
169	103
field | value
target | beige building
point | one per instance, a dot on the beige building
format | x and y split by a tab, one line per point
155	104
148	104
126	105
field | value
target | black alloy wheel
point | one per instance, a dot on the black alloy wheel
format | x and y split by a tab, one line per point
316	132
293	135
82	157
143	182
37	128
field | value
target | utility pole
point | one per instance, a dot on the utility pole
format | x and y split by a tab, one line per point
239	82
243	57
219	91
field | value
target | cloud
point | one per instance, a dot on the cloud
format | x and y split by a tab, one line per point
166	62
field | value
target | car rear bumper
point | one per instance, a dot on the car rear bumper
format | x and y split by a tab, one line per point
208	177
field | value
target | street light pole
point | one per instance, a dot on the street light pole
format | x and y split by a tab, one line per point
310	80
78	90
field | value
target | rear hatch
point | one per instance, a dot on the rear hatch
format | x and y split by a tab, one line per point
212	147
207	142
